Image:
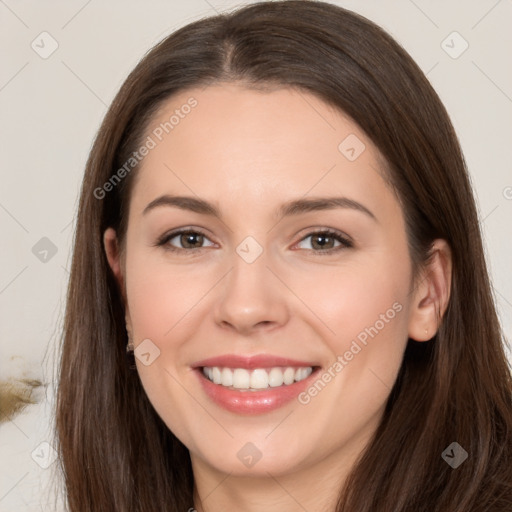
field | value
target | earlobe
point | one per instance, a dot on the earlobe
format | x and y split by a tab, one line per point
432	293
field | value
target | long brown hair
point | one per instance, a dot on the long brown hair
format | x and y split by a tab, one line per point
117	454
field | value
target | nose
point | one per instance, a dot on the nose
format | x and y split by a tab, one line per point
251	298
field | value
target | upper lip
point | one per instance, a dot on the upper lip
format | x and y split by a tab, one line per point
251	362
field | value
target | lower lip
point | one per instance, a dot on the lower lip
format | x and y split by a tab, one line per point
253	402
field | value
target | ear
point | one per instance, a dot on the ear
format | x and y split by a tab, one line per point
115	261
431	293
112	250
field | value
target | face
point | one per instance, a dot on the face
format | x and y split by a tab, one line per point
265	251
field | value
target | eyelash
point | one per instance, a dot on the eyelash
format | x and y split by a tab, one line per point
345	243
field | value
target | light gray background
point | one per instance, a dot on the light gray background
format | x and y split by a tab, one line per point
51	108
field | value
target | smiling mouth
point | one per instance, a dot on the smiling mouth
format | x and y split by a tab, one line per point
258	379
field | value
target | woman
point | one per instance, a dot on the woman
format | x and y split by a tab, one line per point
276	222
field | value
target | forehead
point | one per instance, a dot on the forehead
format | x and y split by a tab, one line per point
226	141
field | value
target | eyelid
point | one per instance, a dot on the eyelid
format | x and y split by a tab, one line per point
169	235
344	240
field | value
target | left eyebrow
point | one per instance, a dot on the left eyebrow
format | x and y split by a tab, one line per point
323	203
295	207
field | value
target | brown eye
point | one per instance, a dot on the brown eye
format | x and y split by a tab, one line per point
191	240
184	240
324	242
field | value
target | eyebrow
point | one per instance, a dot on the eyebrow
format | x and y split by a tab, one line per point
294	207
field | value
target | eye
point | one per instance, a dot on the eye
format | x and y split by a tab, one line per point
324	241
184	239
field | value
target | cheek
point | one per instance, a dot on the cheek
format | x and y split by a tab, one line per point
355	300
161	299
367	312
354	296
355	310
161	295
362	312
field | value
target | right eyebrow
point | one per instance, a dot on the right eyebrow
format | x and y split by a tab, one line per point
185	203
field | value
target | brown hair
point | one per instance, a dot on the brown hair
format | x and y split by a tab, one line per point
117	454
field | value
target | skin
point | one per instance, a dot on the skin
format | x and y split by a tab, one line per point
248	152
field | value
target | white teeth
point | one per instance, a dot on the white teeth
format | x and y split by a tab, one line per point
241	379
289	376
275	378
260	378
302	373
227	377
217	378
